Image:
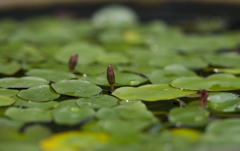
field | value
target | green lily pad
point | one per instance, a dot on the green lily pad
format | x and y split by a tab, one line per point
112	58
99	101
76	88
223	132
39	93
28	114
8	92
10	68
229	70
166	76
71	115
186	61
223	60
8	123
24	82
223	102
70	140
41	105
215	82
6	101
51	75
190	116
120	79
114	16
136	111
151	92
92	69
87	53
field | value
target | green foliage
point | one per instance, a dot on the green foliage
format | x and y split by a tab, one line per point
155	105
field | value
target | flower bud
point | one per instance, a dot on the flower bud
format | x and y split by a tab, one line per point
111	77
72	62
203	98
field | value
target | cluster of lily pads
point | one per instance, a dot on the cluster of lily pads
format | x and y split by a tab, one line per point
47	104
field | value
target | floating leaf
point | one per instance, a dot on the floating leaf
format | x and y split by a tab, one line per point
120	79
10	68
39	93
76	88
8	123
24	82
224	60
99	101
28	114
223	132
8	92
91	69
215	82
41	105
114	16
151	92
190	116
6	101
69	141
167	76
223	102
112	58
71	115
187	61
87	53
51	75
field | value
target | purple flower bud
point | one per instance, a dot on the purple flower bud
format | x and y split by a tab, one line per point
203	98
111	77
72	62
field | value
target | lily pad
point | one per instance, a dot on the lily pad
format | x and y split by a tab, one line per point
189	116
215	82
187	61
121	79
223	132
223	60
223	102
6	101
167	76
39	93
71	115
24	82
112	58
150	92
87	53
10	68
8	92
8	123
28	115
76	88
98	101
114	16
92	69
41	105
69	141
51	75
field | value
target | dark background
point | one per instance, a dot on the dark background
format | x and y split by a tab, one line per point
172	11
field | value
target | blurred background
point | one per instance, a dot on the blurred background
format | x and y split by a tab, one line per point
181	12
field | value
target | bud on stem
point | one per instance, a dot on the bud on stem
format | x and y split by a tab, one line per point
72	62
111	77
203	98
